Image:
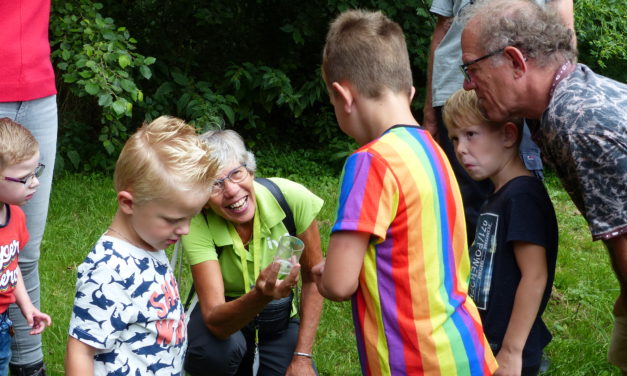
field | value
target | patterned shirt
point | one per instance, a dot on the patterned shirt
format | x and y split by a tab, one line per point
411	310
127	306
583	135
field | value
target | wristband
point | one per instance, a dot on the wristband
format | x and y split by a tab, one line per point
303	354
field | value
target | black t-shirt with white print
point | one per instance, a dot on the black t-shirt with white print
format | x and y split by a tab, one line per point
520	211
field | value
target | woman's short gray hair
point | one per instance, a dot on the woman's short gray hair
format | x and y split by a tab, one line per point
227	147
537	32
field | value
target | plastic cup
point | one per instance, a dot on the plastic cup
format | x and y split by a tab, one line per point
288	253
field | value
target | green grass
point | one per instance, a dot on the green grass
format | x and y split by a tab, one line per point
578	315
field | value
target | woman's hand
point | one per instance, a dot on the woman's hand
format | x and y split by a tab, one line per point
271	287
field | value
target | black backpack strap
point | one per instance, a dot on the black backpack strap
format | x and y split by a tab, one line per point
190	296
288	221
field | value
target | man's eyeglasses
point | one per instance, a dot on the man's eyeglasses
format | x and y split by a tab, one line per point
464	67
28	179
236	175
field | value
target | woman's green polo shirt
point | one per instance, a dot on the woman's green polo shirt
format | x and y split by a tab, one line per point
209	230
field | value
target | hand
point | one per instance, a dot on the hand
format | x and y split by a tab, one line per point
300	366
430	121
317	271
37	320
510	363
268	284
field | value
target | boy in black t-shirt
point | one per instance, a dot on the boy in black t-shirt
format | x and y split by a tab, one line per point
515	248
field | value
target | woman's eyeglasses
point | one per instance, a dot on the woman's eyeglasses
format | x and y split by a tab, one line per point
236	175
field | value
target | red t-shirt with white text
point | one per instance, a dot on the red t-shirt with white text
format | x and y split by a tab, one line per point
13	237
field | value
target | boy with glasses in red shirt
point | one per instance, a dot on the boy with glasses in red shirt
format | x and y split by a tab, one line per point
19	170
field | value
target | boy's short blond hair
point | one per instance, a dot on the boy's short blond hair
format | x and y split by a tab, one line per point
163	157
368	50
461	110
17	143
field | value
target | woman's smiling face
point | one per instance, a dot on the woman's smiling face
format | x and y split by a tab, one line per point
236	201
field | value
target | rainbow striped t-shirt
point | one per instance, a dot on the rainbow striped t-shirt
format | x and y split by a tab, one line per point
411	310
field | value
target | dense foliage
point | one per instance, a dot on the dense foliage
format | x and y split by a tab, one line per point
601	29
98	72
251	65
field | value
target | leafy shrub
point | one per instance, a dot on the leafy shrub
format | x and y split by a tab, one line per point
601	27
252	65
258	62
98	69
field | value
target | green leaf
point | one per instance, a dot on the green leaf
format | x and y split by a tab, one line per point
128	85
92	88
124	61
149	60
119	106
180	78
109	35
145	72
105	100
108	146
74	158
70	78
228	111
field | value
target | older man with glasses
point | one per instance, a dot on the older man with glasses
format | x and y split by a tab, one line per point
443	79
521	62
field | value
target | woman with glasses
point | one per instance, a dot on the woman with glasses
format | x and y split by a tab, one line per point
247	320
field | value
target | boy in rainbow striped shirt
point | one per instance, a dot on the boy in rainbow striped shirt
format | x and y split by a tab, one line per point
398	246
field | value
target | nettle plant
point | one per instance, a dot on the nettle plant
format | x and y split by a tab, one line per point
95	62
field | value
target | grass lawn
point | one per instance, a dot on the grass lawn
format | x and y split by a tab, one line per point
578	315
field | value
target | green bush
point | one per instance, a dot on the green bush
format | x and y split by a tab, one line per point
97	71
258	62
253	66
601	27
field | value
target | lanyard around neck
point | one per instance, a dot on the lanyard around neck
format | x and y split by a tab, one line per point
256	250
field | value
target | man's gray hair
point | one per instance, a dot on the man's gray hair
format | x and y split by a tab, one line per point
227	147
539	33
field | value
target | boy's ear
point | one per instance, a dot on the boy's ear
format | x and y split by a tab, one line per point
343	96
510	134
518	61
411	95
125	202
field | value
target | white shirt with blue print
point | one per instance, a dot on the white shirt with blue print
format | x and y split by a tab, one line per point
127	306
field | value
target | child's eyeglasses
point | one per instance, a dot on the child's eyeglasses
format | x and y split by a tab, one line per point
236	175
28	179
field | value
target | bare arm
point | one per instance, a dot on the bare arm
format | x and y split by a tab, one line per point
36	319
337	277
429	120
531	260
79	358
311	302
225	318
